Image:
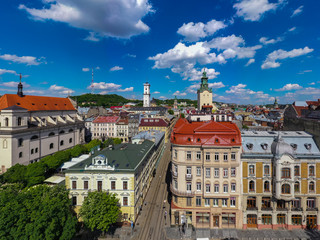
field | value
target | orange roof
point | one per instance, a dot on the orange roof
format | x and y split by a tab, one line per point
106	119
36	103
209	133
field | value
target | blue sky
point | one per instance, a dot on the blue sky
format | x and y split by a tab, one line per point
253	50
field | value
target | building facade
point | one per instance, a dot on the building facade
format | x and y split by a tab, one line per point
206	174
146	94
155	124
104	127
281	180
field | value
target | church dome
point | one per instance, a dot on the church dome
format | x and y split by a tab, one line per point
280	147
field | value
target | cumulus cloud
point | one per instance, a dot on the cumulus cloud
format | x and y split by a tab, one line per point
194	87
116	68
13	84
85	69
240	92
3	71
194	31
253	10
29	60
266	41
109	87
271	61
102	18
312	83
252	60
289	87
297	11
162	97
60	89
178	93
156	92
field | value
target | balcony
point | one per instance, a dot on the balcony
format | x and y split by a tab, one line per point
266	209
282	209
175	174
181	193
252	208
296	209
188	176
312	209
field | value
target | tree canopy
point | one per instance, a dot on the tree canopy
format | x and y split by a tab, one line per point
40	212
100	210
106	100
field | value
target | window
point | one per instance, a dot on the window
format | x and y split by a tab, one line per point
198	201
251	186
175	199
20	142
61	143
311	171
232	202
311	187
175	183
216	156
198	186
32	151
233	172
281	219
208	188
225	188
296	187
175	168
266	169
19	121
175	154
233	187
51	145
216	188
207	202
266	202
20	155
6	122
207	172
296	203
36	150
125	185
207	156
188	170
296	219
225	172
70	140
198	155
266	219
198	171
189	201
34	137
99	185
216	172
311	203
188	186
296	170
251	169
281	204
251	202
225	157
285	189
233	156
113	185
266	186
224	202
285	172
74	184
85	184
188	155
5	143
74	200
215	202
125	201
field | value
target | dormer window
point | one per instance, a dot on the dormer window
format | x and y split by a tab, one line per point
99	160
198	140
264	146
189	139
233	140
249	146
216	140
308	146
294	146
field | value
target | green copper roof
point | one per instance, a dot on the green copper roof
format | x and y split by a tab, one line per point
204	83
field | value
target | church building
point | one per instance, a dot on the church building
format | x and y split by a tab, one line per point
205	95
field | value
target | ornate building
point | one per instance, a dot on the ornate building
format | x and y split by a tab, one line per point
146	94
281	180
206	174
205	95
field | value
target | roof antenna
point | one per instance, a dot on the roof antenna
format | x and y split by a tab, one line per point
92	83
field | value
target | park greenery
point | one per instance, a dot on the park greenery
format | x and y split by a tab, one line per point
107	100
99	211
39	212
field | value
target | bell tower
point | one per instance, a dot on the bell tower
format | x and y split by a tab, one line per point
146	95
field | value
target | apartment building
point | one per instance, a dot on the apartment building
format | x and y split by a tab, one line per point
155	124
206	174
281	180
103	127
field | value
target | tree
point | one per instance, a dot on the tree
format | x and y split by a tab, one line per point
100	210
182	115
117	141
170	111
40	212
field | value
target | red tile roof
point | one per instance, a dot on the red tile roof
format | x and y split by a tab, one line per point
206	133
153	122
36	103
106	119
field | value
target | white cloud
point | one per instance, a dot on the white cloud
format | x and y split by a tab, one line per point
13	84
194	87
156	92
60	89
216	85
194	31
34	92
163	97
93	37
29	60
102	18
85	69
109	87
266	41
240	92
116	68
312	83
292	29
167	77
252	60
297	11
289	87
252	10
178	93
131	55
271	61
305	71
3	71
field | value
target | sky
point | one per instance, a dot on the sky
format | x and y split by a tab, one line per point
252	50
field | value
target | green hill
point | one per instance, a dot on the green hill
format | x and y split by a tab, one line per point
107	100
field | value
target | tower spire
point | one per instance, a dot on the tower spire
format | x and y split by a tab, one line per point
20	88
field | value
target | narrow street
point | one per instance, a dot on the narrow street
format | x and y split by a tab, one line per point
151	223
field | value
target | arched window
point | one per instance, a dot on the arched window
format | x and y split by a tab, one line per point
266	169
266	186
285	189
70	140
19	121
311	187
32	151
251	186
34	137
6	122
20	154
296	187
5	143
251	169
61	132
61	143
20	142
311	171
51	145
70	130
51	134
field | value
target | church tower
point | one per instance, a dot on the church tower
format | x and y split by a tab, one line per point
146	94
205	95
275	104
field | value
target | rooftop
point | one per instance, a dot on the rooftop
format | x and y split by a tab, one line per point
106	119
